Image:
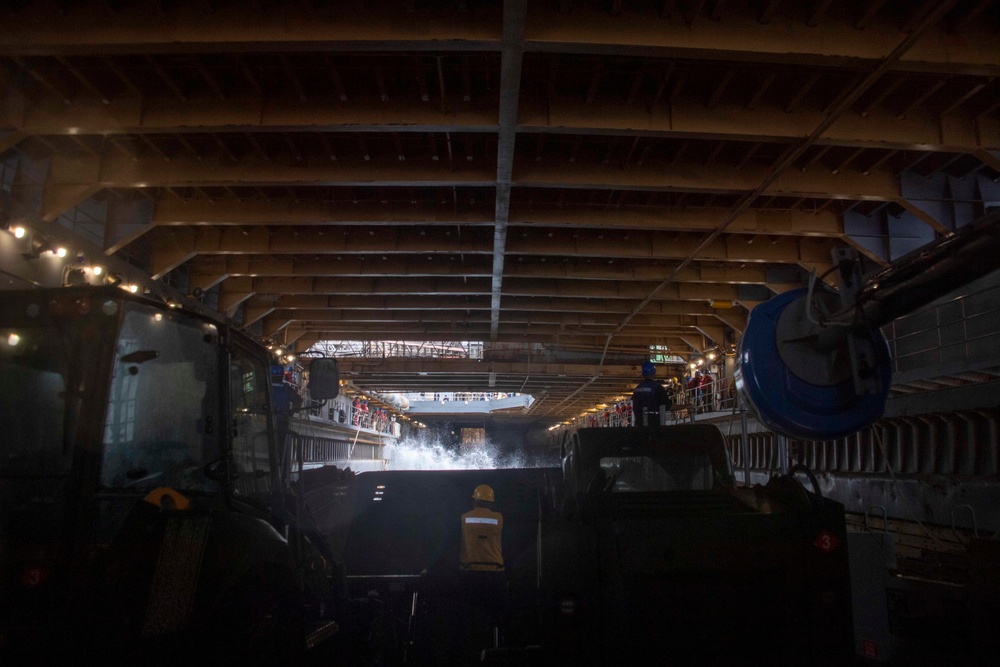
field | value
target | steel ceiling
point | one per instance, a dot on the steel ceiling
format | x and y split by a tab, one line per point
568	182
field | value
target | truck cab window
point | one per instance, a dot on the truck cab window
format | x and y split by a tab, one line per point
671	471
34	374
162	419
250	422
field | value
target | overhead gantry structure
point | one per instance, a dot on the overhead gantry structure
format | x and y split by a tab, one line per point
569	183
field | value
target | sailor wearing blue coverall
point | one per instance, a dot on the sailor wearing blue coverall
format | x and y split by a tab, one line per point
648	396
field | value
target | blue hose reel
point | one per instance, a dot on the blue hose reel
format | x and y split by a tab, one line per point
809	380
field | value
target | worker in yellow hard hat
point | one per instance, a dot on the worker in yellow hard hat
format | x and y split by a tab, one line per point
481	559
482	529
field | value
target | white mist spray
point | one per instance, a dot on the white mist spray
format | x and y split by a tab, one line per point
419	453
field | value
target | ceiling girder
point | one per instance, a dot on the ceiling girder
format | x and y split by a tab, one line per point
512	52
313	303
171	244
581	322
91	174
683	166
639	32
531	288
278	213
686	118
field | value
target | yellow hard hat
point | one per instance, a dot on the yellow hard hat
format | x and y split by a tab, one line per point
483	492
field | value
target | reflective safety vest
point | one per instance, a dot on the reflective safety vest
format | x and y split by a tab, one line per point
481	532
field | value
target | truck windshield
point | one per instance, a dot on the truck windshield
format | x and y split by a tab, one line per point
35	364
162	425
671	471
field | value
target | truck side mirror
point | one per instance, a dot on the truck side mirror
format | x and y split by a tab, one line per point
324	379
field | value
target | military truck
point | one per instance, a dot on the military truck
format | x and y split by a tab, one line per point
639	549
657	556
147	513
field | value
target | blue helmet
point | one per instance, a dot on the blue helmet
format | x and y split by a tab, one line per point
648	368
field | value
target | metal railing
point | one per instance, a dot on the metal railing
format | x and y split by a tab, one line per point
383	349
959	334
717	396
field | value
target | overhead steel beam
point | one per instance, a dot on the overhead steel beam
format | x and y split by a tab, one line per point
246	28
514	17
781	167
398	241
117	171
990	158
685	118
72	180
323	275
553	288
284	212
159	114
42	30
381	302
786	40
581	322
278	213
405	366
328	268
637	345
455	330
114	171
695	177
10	139
247	264
279	283
481	302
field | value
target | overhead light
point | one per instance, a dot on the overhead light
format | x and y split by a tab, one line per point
133	288
19	232
59	251
97	269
